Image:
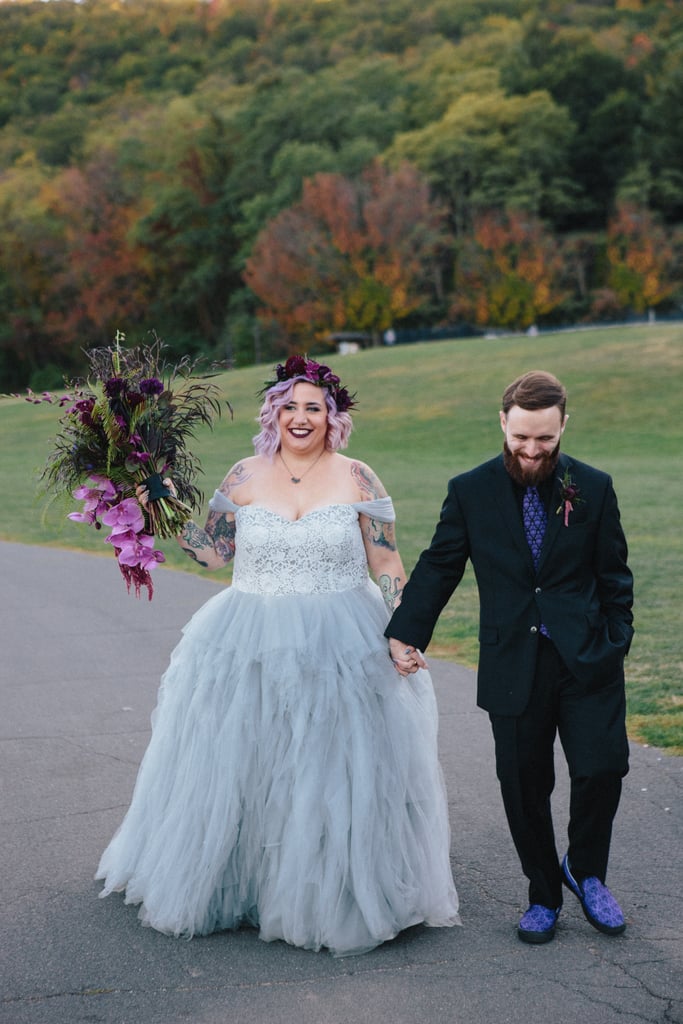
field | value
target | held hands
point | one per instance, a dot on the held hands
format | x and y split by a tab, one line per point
406	658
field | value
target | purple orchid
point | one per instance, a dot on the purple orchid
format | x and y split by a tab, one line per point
138	458
97	499
140	552
120	536
84	408
124	517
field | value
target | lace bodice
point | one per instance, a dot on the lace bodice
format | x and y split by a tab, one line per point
319	553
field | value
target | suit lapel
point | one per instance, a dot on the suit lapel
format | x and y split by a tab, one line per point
552	530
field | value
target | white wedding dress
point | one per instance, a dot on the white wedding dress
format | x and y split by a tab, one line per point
291	782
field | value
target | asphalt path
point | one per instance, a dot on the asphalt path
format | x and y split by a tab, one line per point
79	670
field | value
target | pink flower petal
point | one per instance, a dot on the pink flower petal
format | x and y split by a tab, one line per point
127	513
81	517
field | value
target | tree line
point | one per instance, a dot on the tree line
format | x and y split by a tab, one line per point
244	176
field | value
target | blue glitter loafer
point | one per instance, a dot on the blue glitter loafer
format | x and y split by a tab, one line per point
598	904
538	924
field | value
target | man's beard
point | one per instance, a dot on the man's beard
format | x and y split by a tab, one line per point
534	475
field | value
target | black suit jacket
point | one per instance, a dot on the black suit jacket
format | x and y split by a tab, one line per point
582	590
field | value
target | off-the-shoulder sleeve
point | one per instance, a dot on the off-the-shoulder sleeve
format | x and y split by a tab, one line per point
219	503
378	508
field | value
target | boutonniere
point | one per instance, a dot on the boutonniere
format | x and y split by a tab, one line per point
569	496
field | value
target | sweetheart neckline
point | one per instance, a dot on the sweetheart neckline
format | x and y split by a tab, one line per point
285	519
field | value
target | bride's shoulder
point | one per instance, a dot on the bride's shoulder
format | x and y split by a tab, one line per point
241	474
365	479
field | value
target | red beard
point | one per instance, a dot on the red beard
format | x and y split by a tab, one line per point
542	468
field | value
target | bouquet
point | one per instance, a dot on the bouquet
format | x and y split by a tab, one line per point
127	425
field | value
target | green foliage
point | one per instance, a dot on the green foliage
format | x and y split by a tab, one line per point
191	126
489	151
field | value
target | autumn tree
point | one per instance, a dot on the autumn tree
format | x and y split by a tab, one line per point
353	254
639	252
102	284
507	272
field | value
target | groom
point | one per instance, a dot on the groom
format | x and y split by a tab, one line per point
542	531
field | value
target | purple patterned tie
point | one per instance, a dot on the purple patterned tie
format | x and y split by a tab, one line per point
535	519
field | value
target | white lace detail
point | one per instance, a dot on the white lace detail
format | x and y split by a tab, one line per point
319	553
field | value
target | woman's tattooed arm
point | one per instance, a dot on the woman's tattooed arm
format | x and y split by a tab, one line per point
382	535
392	590
375	533
214	546
193	540
221	530
368	482
384	560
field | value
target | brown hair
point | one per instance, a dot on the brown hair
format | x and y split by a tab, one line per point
535	390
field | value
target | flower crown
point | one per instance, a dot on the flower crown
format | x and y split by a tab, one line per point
315	373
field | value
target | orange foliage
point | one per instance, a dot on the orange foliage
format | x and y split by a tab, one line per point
102	281
350	255
640	255
508	271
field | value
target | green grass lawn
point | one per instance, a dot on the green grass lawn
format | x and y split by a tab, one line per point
429	411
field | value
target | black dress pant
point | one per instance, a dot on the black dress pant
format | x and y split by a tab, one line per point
591	726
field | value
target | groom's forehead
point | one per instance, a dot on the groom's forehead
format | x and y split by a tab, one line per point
534	421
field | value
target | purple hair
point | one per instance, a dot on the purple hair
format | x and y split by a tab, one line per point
269	440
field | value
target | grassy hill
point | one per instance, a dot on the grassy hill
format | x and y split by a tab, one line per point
429	411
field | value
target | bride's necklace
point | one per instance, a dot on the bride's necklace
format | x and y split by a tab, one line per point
298	479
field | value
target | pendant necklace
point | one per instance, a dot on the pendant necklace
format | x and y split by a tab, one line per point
298	479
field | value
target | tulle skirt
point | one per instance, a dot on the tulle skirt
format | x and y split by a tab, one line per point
291	782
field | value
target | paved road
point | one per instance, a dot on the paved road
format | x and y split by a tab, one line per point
78	678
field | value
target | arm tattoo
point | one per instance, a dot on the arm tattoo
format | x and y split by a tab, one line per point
381	534
391	590
193	539
222	532
238	475
366	480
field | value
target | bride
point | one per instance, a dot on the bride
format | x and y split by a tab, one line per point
292	782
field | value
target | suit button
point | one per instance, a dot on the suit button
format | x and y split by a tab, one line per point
534	629
537	590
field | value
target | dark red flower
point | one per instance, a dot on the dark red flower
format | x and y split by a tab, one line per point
115	387
316	373
296	366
